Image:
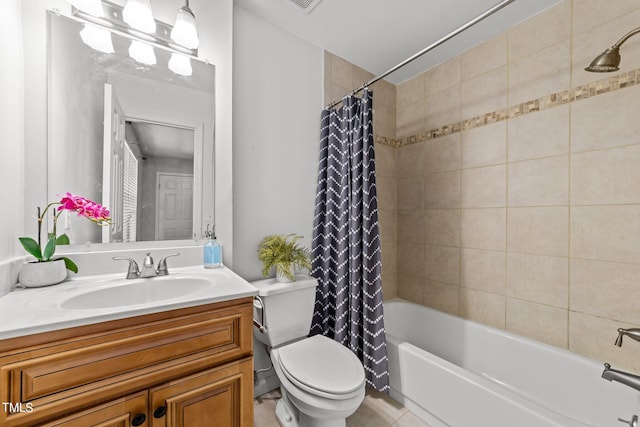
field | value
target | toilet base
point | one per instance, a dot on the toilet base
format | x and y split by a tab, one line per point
289	416
286	414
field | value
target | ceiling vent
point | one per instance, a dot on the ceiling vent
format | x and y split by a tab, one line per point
306	5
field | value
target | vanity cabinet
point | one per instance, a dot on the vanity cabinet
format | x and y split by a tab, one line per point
176	368
213	395
118	413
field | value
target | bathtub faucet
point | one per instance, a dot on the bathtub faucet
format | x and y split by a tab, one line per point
625	378
633	422
631	333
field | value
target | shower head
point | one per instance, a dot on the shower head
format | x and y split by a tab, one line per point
606	62
609	60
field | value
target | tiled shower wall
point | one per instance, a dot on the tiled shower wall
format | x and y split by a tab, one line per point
513	195
519	182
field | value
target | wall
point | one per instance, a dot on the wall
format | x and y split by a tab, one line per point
340	78
518	196
277	91
12	125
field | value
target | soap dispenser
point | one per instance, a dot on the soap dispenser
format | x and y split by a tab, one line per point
212	250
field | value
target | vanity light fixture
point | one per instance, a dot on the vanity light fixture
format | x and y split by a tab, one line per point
184	30
180	64
97	38
136	22
142	52
137	13
92	7
113	19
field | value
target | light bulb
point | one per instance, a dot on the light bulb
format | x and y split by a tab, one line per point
184	31
137	13
180	64
97	38
142	52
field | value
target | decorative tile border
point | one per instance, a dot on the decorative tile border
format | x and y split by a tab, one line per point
392	142
598	87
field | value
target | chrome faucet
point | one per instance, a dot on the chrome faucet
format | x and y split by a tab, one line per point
631	333
162	269
633	422
622	377
148	270
133	272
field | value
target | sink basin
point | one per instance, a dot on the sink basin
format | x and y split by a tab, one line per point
136	291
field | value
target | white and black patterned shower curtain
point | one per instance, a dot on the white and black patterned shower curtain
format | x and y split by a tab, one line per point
346	239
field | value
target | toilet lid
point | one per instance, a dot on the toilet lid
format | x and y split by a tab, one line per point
320	363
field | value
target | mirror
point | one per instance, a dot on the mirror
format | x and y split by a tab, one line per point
137	138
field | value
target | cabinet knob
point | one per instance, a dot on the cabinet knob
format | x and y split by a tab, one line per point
160	412
138	420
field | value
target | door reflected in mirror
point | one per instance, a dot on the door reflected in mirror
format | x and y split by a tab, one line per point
136	137
156	190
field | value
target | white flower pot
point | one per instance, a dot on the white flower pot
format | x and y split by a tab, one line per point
36	274
282	278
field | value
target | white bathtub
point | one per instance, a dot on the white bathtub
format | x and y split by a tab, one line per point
454	372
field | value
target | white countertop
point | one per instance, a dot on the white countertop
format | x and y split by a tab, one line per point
35	310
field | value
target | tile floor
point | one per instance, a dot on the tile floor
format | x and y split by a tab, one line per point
377	410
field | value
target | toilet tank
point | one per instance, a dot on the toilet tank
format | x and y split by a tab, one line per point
287	311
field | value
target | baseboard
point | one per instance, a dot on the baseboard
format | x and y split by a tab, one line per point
267	381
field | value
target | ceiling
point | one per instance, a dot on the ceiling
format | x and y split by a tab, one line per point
156	140
378	34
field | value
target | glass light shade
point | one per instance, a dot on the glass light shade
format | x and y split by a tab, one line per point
180	64
142	52
184	31
97	38
137	13
92	7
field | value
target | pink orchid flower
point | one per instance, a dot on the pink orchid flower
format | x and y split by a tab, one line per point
85	207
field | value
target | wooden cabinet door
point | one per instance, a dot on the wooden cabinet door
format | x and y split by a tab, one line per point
125	412
219	397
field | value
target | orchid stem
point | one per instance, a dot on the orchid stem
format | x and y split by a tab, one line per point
39	227
41	218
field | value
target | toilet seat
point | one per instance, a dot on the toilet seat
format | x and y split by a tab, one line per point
322	367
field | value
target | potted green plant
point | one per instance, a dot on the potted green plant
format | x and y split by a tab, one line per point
47	270
284	253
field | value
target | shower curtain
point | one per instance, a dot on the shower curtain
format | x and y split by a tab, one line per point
346	241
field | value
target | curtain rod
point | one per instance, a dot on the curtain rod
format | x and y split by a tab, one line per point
454	33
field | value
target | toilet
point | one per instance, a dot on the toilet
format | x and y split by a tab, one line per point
322	382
